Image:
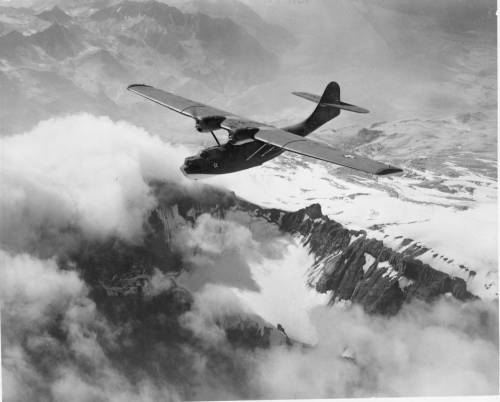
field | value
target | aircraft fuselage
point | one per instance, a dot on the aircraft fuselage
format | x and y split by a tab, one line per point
229	158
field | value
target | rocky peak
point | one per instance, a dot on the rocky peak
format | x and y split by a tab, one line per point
12	39
161	12
55	15
57	41
348	264
314	211
363	270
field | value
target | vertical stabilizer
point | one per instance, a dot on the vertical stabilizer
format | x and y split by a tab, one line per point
328	107
322	113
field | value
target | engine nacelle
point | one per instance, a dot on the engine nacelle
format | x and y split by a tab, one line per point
210	123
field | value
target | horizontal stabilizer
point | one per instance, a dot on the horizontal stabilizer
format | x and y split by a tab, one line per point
338	104
308	96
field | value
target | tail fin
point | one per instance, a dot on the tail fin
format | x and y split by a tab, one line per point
329	106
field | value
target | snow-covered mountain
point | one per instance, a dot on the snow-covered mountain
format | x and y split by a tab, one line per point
445	202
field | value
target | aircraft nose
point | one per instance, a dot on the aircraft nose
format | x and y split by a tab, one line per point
193	168
192	165
183	170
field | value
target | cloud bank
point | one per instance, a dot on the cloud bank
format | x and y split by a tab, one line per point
82	172
442	349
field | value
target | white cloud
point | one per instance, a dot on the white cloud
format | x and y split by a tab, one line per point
216	236
219	251
81	171
31	288
212	305
448	348
159	282
284	296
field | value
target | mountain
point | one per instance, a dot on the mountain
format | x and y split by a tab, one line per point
55	15
348	264
57	41
275	37
191	36
144	292
15	48
104	46
463	16
449	182
365	271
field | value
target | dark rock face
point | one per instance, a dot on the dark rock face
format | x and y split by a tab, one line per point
352	266
381	286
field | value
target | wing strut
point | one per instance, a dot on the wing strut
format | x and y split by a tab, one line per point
215	138
256	152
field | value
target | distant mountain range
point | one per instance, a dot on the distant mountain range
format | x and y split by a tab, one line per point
95	50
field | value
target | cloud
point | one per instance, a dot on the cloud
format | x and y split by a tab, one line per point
284	295
158	283
109	386
82	172
220	250
447	348
213	304
24	294
54	341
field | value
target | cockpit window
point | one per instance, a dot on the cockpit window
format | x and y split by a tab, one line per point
193	165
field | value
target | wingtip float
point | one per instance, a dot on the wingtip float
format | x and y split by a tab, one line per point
251	143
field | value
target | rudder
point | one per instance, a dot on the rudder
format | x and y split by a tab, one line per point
331	93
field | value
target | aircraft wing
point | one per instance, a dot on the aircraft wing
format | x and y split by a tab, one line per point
314	149
191	108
